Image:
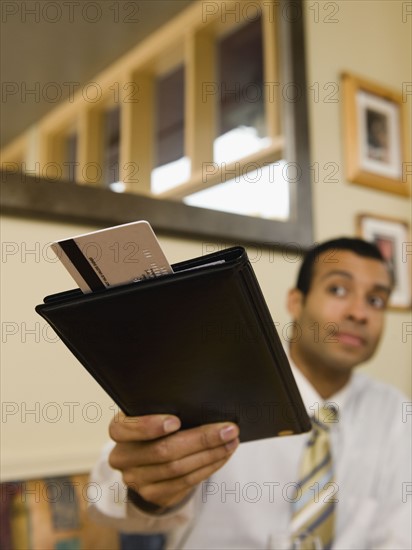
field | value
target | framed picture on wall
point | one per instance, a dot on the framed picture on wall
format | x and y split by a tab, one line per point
393	238
375	136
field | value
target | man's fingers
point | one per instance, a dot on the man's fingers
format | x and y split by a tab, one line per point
163	466
142	428
185	443
171	492
140	444
145	475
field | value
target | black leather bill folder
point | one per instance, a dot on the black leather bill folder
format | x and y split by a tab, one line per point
199	343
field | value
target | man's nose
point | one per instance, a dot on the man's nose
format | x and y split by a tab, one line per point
358	310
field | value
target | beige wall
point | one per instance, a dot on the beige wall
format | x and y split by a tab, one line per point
372	40
71	413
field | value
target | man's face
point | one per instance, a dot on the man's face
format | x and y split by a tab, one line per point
340	321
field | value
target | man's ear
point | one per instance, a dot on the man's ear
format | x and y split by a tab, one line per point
295	303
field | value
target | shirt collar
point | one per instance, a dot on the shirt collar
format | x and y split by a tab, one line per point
311	398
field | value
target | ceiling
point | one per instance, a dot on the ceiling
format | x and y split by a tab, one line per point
49	48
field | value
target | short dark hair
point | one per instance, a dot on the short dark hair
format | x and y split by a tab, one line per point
358	246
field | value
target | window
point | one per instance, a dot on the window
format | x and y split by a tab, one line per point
169	109
111	149
71	157
171	167
241	112
203	121
259	184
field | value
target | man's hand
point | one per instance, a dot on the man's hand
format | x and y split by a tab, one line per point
164	465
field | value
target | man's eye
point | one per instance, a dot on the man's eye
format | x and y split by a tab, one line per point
338	290
377	302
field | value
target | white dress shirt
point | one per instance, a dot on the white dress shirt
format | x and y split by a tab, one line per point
247	504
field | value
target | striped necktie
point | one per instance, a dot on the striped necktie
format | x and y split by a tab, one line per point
314	509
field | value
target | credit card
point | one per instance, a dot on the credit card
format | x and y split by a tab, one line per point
114	256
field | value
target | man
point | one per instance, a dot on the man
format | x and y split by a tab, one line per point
202	490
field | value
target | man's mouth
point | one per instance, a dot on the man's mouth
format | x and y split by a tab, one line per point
351	339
